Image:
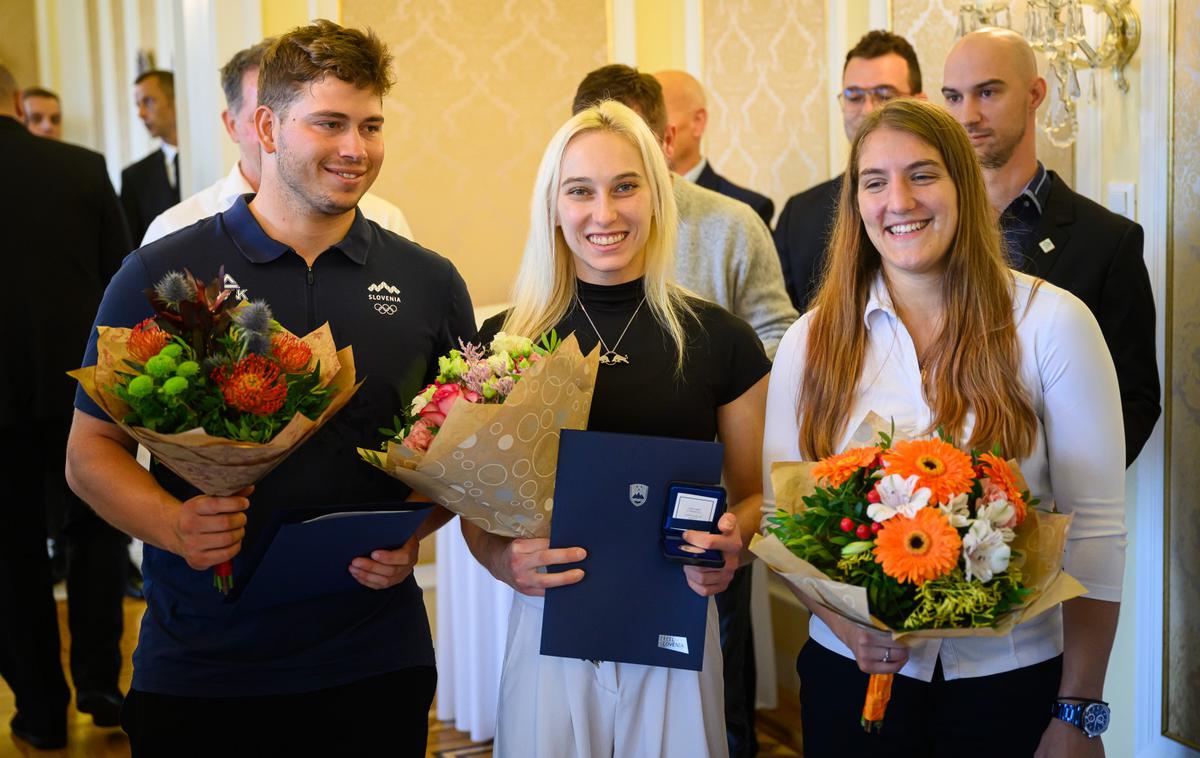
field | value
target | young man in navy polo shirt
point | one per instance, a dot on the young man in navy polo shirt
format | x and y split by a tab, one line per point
338	674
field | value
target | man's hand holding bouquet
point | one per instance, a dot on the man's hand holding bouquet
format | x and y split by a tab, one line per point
216	390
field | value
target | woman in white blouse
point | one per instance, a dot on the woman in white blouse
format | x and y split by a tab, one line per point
920	320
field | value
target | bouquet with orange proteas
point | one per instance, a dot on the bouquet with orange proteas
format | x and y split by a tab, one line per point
215	389
918	538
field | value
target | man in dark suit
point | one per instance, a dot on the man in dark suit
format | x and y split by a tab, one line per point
992	88
687	116
151	185
879	67
65	240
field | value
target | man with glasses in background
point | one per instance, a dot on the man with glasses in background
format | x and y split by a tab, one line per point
881	66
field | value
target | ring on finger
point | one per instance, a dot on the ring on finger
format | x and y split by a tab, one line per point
887	655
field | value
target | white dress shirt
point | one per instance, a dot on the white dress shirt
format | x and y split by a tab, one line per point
218	197
695	172
1068	373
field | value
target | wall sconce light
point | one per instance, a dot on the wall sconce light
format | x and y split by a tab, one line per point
1056	28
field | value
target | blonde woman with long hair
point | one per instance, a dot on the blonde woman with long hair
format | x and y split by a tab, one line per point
919	319
598	264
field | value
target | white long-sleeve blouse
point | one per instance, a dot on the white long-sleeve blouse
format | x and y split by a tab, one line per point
1078	462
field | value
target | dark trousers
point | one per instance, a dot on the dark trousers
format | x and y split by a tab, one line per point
1002	715
741	680
29	644
386	715
98	561
97	566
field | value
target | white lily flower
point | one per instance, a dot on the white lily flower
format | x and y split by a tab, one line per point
897	496
957	511
984	551
998	513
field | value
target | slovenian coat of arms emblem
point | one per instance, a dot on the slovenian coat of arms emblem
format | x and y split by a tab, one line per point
637	493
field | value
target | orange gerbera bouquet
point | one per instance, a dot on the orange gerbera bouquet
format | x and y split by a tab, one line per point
918	538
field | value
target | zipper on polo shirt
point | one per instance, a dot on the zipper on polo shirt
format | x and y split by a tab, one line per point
312	305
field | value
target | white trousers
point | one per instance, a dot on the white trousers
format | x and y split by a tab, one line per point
566	708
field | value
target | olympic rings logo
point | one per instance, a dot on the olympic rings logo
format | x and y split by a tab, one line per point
385	309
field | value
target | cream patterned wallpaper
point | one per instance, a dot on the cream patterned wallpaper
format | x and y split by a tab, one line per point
482	85
18	45
1183	548
932	27
764	69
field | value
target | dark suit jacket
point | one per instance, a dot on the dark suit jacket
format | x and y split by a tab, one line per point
802	236
146	192
1097	256
63	238
761	204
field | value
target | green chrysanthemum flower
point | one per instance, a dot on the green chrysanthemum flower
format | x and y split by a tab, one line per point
174	385
160	366
187	369
140	386
171	350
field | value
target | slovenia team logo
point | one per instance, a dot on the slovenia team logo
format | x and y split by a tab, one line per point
385	298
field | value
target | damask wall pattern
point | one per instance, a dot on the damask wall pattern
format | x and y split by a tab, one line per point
18	44
768	99
931	26
481	87
1182	675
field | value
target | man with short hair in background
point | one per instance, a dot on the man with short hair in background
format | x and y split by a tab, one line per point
687	112
239	81
151	185
879	67
992	88
43	112
723	254
349	673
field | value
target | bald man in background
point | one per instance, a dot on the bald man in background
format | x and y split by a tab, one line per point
687	111
992	87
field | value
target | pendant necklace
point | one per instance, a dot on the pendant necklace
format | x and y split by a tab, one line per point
610	356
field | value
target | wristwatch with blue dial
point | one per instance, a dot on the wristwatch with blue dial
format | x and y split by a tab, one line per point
1090	716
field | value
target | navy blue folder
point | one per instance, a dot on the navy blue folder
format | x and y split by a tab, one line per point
633	605
306	553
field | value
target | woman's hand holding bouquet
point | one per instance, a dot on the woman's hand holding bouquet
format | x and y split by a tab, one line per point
913	538
482	439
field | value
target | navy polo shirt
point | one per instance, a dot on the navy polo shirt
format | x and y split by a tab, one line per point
400	307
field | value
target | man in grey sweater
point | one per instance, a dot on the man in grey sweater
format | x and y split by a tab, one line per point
724	254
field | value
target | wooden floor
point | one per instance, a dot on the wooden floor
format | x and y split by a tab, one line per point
85	740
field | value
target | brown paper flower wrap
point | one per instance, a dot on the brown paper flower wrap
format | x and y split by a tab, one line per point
1040	541
215	465
494	464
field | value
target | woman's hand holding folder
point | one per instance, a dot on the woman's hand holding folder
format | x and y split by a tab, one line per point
710	581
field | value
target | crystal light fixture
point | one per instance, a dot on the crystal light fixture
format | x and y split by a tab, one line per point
1056	28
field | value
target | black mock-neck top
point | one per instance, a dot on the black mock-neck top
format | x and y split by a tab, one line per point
722	359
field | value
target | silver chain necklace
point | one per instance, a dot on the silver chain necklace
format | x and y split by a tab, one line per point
610	356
